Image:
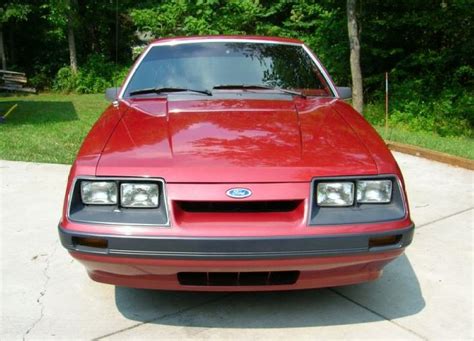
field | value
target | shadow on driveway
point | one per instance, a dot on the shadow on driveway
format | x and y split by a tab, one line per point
38	112
396	294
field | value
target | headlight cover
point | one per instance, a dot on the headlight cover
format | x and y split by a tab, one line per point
374	191
139	195
99	192
372	207
81	211
335	193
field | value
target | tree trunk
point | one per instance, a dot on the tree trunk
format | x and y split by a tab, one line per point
70	36
2	50
11	47
353	30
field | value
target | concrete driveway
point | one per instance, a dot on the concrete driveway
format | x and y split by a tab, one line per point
426	294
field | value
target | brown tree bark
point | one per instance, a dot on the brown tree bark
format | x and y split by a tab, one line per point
2	50
356	73
11	47
70	35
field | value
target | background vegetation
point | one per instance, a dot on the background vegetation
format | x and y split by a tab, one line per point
426	46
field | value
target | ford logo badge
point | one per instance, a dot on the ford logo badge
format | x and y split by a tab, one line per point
238	193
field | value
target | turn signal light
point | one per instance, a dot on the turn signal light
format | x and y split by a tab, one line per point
384	241
90	242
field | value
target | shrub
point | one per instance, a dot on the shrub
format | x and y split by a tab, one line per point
65	80
449	113
94	76
40	81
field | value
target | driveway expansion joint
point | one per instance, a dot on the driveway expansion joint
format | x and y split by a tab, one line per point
411	331
443	218
162	317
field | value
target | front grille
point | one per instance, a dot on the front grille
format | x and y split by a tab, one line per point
238	278
239	206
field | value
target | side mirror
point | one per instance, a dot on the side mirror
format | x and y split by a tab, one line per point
111	94
344	92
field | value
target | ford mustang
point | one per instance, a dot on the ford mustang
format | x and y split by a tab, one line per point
233	163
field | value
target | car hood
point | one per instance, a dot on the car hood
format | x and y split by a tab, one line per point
238	141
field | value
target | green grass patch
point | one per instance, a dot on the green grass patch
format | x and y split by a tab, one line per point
462	146
47	127
459	146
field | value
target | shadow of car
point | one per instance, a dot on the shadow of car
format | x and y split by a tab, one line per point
396	294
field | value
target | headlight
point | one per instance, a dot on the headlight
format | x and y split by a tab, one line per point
139	195
374	191
335	193
99	192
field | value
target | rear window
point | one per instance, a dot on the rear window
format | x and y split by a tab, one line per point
203	66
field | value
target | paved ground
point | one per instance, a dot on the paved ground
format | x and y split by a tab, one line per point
426	294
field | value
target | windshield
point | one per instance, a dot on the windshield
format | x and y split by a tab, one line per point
203	66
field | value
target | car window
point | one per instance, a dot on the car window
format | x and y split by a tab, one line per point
209	64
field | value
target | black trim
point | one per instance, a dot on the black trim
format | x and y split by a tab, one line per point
239	206
238	278
235	248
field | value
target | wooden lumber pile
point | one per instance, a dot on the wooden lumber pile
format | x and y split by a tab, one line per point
14	81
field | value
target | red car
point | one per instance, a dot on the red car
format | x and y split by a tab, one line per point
233	163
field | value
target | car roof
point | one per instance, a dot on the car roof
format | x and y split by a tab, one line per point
227	37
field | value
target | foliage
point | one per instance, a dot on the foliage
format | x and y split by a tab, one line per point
201	17
448	114
56	12
13	10
94	76
415	105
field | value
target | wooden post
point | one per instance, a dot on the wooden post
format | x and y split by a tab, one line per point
386	105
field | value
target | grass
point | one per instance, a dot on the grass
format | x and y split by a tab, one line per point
459	146
47	127
462	146
51	127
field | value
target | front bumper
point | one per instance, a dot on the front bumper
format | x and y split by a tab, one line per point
213	248
162	274
157	262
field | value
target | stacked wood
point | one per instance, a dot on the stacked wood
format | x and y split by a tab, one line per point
14	81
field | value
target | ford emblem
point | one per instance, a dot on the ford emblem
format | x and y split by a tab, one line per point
238	193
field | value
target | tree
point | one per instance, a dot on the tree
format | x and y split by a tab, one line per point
71	19
188	17
8	12
63	14
354	44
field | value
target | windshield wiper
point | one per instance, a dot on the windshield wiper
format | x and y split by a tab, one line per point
251	86
163	90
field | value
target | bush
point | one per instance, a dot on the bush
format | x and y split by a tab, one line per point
94	76
40	81
443	116
65	80
448	114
